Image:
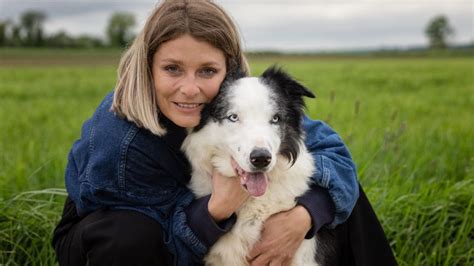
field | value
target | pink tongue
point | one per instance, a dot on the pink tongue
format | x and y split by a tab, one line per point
256	184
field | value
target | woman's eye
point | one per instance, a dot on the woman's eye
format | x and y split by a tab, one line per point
233	118
208	71
173	69
275	119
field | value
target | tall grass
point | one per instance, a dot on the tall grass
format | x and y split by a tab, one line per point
41	112
408	124
26	222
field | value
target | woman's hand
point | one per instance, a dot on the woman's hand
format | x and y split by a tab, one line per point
282	234
227	196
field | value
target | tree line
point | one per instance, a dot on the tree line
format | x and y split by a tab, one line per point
29	32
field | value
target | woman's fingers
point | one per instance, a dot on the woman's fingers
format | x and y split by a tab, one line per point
227	196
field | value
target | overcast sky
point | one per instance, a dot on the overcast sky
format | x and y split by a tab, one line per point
286	25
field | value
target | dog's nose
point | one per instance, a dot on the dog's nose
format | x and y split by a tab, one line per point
260	158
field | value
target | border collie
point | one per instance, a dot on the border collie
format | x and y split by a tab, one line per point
252	130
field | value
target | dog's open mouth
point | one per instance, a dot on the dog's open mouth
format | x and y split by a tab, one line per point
255	182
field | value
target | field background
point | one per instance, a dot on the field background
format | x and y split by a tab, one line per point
408	121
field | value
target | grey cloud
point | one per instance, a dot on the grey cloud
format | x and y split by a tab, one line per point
280	24
65	8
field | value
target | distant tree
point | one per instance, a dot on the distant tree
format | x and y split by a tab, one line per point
3	32
119	29
15	38
60	39
86	41
31	23
437	31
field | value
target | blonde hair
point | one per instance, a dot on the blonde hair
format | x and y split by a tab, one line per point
134	96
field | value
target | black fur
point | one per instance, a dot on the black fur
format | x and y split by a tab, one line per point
218	108
291	104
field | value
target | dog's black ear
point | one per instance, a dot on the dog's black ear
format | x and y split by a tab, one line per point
275	75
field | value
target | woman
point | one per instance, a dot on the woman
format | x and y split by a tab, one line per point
126	177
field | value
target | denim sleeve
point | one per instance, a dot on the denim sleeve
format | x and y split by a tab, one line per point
165	204
320	207
179	238
203	225
335	169
189	229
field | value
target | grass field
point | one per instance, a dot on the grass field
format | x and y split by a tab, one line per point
408	123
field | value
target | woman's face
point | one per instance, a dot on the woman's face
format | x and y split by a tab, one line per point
187	73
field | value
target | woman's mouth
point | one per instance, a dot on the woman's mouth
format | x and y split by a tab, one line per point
188	107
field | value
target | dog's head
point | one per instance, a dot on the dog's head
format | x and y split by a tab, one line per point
257	119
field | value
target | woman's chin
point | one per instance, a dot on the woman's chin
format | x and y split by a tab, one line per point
186	121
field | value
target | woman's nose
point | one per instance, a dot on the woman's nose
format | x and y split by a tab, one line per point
189	86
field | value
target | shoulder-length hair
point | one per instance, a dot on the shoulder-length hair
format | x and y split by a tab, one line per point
134	97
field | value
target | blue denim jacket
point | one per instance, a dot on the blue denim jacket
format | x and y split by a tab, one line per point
117	165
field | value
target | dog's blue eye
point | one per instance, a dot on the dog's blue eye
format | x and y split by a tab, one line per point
233	118
275	119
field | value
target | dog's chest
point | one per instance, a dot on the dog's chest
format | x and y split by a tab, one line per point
232	248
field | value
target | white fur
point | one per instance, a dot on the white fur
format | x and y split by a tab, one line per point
215	144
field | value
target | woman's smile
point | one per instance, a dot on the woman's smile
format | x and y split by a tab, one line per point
189	107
